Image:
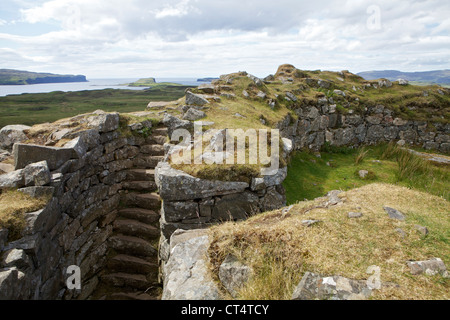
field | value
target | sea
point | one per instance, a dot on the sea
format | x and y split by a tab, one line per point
92	84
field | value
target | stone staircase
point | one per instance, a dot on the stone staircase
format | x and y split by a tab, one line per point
132	269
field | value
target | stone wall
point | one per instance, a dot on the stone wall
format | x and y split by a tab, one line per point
192	203
322	123
84	180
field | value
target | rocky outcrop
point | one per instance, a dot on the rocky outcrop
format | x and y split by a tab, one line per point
316	287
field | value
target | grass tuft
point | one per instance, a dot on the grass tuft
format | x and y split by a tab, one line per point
13	206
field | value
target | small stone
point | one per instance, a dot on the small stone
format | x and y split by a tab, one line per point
363	174
401	232
355	215
394	213
423	230
309	223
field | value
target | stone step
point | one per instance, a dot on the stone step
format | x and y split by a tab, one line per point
134	265
139	185
135	228
140	296
126	280
153	150
147	162
156	139
132	246
139	214
141	175
149	201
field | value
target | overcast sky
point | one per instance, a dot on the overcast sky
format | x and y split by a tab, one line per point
197	38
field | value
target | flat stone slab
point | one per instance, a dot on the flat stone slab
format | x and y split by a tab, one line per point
176	185
25	154
187	276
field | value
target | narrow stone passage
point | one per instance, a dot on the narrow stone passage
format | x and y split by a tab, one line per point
132	269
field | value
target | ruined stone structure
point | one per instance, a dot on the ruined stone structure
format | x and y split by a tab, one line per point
103	216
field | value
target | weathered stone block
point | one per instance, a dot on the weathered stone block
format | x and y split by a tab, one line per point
25	154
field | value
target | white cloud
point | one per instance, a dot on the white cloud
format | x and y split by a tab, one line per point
188	37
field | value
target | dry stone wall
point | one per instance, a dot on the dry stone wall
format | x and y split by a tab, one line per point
193	203
87	181
322	123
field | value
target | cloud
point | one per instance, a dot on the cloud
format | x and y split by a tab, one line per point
186	37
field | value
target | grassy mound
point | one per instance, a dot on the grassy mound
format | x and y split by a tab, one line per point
280	249
13	206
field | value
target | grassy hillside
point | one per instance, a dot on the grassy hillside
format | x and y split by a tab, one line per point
280	249
37	108
429	103
17	77
310	177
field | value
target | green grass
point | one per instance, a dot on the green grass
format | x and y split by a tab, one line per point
30	109
310	177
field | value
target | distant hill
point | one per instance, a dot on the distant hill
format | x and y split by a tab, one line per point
18	77
206	79
150	82
427	77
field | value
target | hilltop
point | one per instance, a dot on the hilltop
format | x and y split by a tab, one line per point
18	77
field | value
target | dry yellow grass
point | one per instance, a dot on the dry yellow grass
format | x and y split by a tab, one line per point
13	205
280	250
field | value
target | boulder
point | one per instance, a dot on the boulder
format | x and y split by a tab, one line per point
12	179
104	122
429	267
261	95
207	88
176	185
12	134
38	192
194	115
269	180
403	82
37	174
173	123
291	96
193	99
16	258
394	213
186	274
234	274
316	287
287	146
